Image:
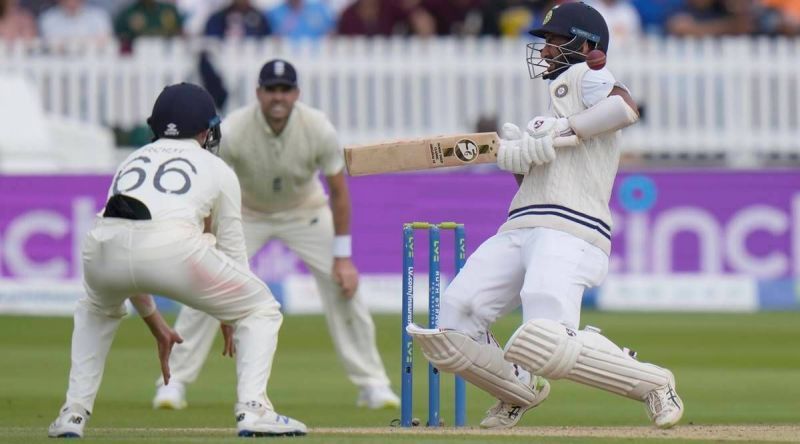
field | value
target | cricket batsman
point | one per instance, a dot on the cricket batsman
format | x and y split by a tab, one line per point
555	244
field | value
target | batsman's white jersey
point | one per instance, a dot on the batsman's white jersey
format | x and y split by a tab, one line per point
181	184
571	194
283	198
557	238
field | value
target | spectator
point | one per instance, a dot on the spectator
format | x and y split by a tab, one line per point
113	7
302	19
513	18
700	18
147	18
337	6
385	18
74	20
455	17
786	14
37	7
624	23
15	22
654	13
765	20
788	7
239	19
195	13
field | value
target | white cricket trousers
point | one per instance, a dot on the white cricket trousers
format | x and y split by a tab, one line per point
543	270
174	259
309	234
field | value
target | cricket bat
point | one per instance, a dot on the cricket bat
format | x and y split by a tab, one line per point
421	154
427	152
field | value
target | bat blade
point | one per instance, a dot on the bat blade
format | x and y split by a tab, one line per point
421	154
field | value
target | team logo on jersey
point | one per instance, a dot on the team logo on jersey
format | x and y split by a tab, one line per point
172	130
466	150
561	91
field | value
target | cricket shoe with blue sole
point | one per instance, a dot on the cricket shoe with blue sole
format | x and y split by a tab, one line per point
70	422
253	419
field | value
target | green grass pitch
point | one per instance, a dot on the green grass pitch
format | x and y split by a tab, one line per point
731	369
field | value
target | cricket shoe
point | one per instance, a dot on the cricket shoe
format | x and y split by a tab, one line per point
255	420
664	406
170	397
504	415
70	422
377	397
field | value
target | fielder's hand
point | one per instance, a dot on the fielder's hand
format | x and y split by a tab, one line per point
228	347
165	344
346	276
165	338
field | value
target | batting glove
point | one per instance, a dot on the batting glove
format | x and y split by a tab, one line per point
509	153
537	141
509	131
541	126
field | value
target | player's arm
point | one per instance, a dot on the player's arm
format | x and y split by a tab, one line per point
331	164
344	272
609	106
626	96
165	336
614	112
340	203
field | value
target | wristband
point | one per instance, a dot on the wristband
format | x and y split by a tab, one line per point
342	246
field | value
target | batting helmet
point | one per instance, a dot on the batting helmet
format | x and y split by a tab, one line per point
183	111
580	23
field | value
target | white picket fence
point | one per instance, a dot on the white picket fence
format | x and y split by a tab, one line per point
737	97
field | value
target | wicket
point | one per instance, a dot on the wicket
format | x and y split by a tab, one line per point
434	290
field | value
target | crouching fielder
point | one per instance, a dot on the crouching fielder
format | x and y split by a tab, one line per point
555	243
150	239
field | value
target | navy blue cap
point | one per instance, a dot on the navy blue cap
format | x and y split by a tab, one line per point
277	72
182	111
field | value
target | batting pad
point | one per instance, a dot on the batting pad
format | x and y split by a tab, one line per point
548	348
480	364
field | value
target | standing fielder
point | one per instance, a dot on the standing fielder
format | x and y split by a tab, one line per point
277	147
150	239
554	245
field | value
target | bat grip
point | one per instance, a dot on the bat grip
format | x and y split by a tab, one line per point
566	141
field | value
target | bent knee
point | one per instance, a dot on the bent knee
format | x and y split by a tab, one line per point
462	316
561	309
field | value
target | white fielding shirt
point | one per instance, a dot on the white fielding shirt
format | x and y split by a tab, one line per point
178	180
281	172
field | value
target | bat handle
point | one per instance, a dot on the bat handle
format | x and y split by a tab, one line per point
566	141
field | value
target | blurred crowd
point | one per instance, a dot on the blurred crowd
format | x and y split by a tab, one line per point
126	20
